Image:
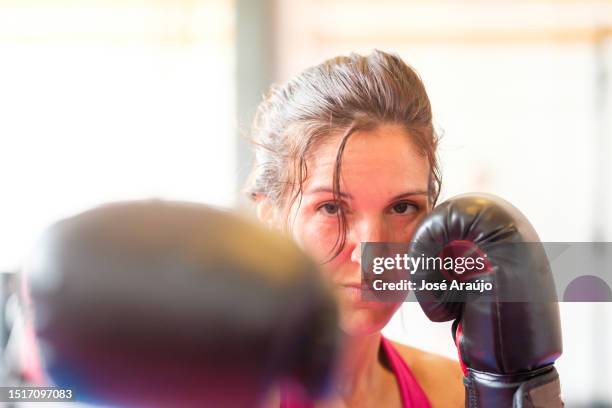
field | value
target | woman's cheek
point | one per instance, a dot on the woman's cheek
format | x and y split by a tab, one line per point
318	235
406	229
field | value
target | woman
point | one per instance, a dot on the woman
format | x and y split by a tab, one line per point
346	153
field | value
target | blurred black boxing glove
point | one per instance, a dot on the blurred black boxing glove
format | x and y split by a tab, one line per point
509	337
163	304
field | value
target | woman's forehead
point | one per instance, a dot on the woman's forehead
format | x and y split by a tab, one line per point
382	157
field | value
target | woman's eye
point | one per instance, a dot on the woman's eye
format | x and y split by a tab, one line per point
405	208
330	208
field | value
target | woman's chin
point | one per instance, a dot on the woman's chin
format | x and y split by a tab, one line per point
363	318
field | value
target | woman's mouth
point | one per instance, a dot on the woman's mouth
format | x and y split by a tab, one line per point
352	290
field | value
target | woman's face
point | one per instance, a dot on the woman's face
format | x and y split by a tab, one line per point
383	193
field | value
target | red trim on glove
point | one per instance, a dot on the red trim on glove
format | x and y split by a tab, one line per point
458	337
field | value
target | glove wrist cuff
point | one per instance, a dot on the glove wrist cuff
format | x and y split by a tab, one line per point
538	388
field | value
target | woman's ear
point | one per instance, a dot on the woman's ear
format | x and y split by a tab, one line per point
266	212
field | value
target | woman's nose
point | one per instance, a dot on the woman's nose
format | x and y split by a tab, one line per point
370	229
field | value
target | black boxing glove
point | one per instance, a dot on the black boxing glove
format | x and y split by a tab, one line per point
163	304
508	337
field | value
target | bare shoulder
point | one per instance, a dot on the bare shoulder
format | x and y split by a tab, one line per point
440	377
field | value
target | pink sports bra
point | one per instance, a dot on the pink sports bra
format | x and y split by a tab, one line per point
411	393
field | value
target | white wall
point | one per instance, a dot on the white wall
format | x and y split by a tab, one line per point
111	101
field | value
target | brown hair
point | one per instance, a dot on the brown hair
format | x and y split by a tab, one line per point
340	96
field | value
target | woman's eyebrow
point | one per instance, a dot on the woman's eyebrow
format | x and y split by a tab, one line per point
349	196
409	194
316	190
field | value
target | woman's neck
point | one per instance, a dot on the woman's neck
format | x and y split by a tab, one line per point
359	368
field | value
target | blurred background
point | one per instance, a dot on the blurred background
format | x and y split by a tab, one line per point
103	100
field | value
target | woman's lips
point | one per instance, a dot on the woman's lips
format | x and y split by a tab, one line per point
352	290
352	285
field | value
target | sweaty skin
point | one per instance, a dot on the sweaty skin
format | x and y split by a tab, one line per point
383	185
